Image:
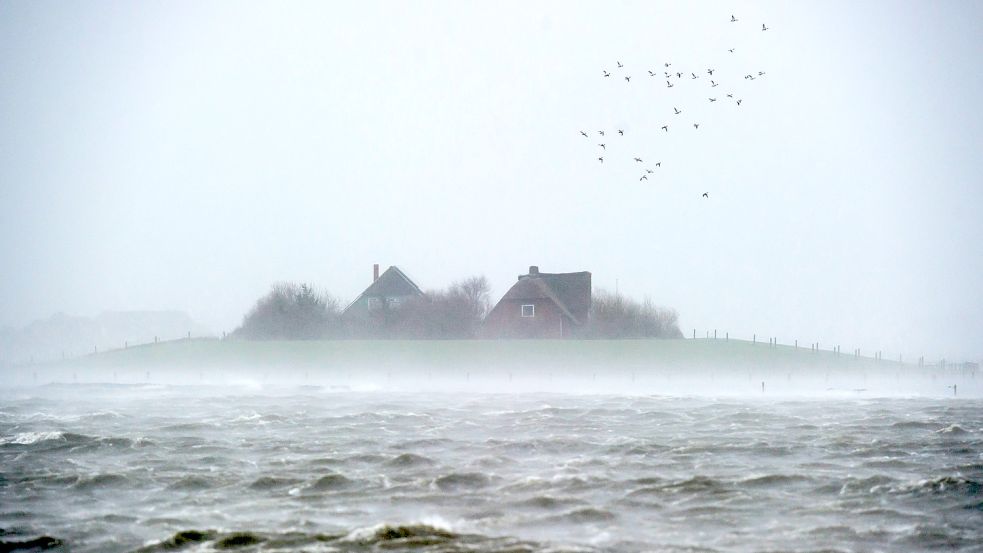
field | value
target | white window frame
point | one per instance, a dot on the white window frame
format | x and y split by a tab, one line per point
394	303
373	303
522	310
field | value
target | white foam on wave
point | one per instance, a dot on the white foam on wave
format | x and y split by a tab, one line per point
28	438
247	418
437	522
368	533
364	534
108	414
952	429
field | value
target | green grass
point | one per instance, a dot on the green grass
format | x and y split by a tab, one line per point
477	354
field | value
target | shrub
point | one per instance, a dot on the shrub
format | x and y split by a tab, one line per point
291	312
615	316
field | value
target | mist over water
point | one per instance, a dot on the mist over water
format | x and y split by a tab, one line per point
573	373
428	462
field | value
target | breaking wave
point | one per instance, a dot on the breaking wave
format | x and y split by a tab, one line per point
381	537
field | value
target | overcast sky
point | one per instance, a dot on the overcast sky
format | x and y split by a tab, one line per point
185	155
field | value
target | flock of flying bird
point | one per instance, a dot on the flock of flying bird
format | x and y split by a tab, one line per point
670	74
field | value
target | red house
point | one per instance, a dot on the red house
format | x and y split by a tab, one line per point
541	305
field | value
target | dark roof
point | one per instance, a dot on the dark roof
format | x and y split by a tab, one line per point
392	283
570	291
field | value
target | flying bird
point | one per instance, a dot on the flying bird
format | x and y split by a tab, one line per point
606	74
628	78
601	133
705	195
731	50
679	75
710	71
667	74
733	19
694	75
730	95
665	128
583	133
668	64
644	177
621	132
651	73
658	164
738	102
619	64
763	28
601	159
638	159
668	84
649	171
713	99
713	84
760	73
603	147
696	125
677	110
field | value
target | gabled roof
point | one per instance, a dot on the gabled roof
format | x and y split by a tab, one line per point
573	289
571	292
392	283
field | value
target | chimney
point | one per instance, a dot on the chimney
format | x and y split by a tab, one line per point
375	272
533	270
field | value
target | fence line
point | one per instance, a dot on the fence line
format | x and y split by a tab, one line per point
877	355
35	359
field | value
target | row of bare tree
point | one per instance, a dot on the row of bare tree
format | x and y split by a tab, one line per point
615	316
301	312
452	313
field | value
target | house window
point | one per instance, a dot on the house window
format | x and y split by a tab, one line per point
393	303
528	310
374	303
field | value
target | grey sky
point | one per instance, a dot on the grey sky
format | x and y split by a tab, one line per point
184	155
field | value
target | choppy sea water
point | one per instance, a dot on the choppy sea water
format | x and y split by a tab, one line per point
162	468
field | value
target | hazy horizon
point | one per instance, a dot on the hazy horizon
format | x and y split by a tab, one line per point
185	156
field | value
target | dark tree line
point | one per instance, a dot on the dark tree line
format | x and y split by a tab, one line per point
301	312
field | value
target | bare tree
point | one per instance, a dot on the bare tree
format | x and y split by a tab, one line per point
453	313
437	315
615	316
475	291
